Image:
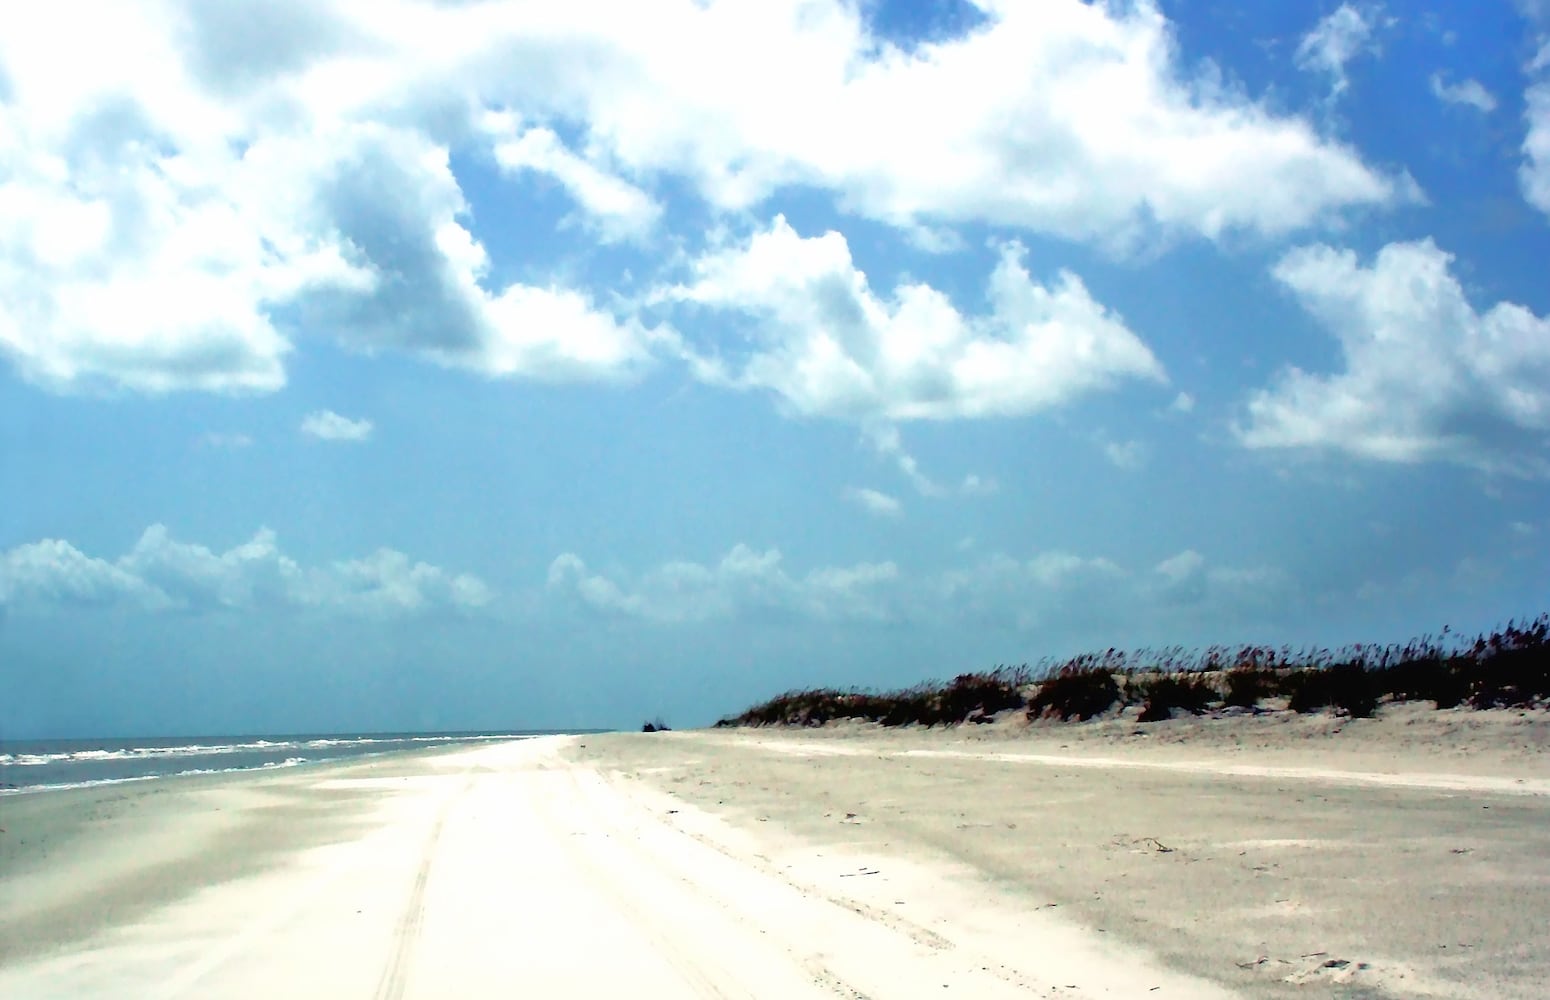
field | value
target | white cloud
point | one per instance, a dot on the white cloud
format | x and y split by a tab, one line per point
618	209
1470	93
54	572
826	344
1097	598
170	192
1049	592
389	582
197	184
326	425
1125	454
1187	578
1534	10
1182	403
886	440
975	485
391	196
162	574
1339	37
222	439
1049	588
744	583
1064	117
1426	376
1181	566
1534	174
874	501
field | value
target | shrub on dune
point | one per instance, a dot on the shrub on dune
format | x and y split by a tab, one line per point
1345	686
981	695
1248	686
1510	668
1075	693
1183	693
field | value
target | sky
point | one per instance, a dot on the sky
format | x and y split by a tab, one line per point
490	365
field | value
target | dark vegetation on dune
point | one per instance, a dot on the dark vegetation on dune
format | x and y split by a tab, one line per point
1509	668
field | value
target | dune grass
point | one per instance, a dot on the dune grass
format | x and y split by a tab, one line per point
1508	668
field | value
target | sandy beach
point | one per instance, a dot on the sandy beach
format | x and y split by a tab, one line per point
1276	857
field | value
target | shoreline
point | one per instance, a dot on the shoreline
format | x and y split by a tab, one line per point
118	759
1206	858
53	857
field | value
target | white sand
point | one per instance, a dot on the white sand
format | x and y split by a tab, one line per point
849	862
507	869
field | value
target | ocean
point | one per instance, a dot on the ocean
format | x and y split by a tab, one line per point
38	765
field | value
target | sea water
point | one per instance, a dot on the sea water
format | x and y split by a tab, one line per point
35	765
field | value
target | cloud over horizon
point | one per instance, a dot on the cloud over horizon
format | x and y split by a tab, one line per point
160	574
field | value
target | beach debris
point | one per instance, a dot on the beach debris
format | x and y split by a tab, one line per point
1314	967
1142	845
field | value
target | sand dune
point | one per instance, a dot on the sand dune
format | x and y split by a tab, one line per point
846	862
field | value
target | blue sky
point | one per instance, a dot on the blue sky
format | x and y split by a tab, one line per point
483	365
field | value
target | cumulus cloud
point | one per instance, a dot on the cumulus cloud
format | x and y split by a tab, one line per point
1468	93
1060	590
1534	174
1125	454
873	501
162	574
1181	566
1065	117
54	572
826	344
1095	598
326	425
745	582
617	208
1339	37
1002	591
1426	376
196	186
391	196
1189	579
158	213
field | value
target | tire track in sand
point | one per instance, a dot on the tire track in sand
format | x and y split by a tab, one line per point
817	931
406	935
705	979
